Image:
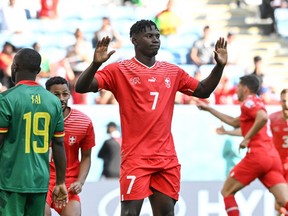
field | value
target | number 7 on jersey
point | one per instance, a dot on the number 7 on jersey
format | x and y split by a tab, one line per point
155	94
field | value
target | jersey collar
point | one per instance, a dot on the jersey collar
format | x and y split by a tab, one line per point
138	62
27	82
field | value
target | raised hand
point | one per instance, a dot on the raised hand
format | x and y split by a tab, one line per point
101	53
220	51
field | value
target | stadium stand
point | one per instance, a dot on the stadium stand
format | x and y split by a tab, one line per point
56	35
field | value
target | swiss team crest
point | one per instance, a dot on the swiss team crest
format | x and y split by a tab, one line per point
167	82
72	140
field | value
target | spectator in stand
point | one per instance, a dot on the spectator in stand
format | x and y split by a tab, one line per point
107	30
168	20
267	8
63	68
185	99
258	72
76	58
234	69
13	18
202	49
110	152
6	59
106	97
269	96
45	72
48	9
77	97
225	92
80	50
233	48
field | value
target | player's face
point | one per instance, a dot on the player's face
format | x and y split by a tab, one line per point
62	92
284	102
148	42
240	92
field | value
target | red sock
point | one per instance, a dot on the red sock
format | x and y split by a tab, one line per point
231	206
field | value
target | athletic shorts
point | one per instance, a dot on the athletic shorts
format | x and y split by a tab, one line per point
71	196
28	204
139	176
267	168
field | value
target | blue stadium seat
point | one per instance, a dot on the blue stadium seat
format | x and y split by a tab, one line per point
281	21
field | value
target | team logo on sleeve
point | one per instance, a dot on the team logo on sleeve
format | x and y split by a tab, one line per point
249	103
167	82
72	140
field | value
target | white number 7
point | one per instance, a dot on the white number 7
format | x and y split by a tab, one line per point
132	177
155	94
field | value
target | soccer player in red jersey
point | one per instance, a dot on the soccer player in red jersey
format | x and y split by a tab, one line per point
279	128
262	160
145	90
79	134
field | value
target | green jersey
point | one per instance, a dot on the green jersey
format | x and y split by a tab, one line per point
30	116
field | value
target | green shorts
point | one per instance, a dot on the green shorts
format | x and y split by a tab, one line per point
28	204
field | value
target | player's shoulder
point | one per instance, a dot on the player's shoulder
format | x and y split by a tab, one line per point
167	65
80	115
275	115
9	91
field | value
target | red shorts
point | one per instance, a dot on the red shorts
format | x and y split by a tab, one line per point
264	166
71	196
139	176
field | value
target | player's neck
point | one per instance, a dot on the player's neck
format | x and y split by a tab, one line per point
66	112
147	61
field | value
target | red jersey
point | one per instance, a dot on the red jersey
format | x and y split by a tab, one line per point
79	133
249	108
279	127
146	98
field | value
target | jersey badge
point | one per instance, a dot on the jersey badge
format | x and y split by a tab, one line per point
249	103
72	140
167	82
135	80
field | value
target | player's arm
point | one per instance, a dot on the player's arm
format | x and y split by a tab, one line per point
86	81
76	187
208	85
235	132
233	121
260	120
59	158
